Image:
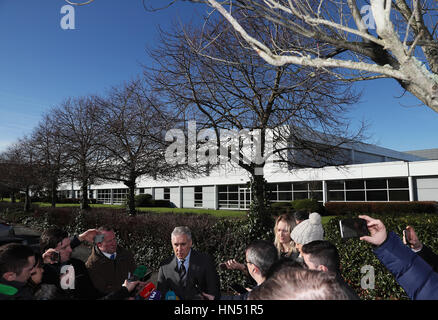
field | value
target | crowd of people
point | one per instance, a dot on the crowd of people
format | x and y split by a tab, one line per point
299	265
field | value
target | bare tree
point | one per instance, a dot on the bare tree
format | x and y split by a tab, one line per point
355	39
133	125
81	138
225	86
51	154
19	171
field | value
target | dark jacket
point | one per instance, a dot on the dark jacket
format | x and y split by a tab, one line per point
351	294
413	274
429	256
83	287
108	275
201	276
13	290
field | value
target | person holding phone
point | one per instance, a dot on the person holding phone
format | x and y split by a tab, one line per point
411	239
109	264
411	272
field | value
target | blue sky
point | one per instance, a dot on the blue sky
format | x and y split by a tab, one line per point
41	64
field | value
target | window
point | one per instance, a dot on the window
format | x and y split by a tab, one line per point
166	195
392	189
119	196
198	197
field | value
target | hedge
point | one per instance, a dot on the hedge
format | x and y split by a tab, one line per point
402	207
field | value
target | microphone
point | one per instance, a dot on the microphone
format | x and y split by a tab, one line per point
141	273
145	292
155	295
170	295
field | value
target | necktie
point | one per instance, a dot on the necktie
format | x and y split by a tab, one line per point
182	269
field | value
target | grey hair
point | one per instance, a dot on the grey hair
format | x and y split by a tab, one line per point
180	231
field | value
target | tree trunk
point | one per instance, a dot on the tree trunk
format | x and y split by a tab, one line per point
27	200
54	197
84	199
131	195
260	218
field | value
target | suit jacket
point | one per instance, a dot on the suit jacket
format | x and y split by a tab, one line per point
201	273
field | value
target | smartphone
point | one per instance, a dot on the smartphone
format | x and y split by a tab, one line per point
353	228
55	256
99	238
405	234
238	288
223	266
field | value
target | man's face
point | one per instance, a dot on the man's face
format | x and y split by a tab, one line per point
27	270
181	245
109	243
64	250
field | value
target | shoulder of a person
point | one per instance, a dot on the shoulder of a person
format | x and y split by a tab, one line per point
167	261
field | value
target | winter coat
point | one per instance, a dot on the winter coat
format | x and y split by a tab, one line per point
108	275
13	290
411	272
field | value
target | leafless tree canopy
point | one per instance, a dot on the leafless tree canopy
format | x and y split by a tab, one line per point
220	82
355	39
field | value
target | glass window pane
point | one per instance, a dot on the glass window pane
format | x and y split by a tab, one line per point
336	196
300	186
376	184
316	196
355	195
335	185
285	196
399	195
233	188
315	185
284	187
272	196
380	195
354	184
398	183
222	188
300	195
233	196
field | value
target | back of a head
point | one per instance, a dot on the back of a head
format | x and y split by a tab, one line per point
291	283
51	237
262	254
324	253
283	263
301	215
309	230
14	257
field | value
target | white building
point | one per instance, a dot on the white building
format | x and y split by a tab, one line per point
375	174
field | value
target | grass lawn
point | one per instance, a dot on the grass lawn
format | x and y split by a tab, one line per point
216	213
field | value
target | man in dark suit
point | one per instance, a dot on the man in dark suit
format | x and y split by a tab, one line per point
188	272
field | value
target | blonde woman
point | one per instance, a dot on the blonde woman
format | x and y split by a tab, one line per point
283	242
284	225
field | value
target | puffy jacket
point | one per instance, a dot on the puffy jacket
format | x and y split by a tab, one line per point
411	272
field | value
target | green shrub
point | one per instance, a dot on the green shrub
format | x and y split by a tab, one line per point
143	200
402	207
310	205
279	208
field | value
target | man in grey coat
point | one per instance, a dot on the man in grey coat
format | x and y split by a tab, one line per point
188	272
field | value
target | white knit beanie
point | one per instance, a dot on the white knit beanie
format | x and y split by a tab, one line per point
309	230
